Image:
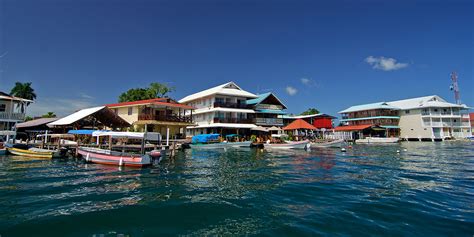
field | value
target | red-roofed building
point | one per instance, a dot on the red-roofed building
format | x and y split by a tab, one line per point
156	115
471	119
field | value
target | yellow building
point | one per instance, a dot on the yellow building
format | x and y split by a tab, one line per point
156	115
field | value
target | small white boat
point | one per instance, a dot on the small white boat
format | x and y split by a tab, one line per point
218	145
288	145
377	140
328	144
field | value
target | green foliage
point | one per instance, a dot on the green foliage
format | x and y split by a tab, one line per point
253	138
155	90
310	111
28	118
25	91
49	115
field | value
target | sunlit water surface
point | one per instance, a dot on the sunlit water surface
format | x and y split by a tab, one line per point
427	190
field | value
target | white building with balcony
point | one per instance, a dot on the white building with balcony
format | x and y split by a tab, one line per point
432	117
12	111
221	109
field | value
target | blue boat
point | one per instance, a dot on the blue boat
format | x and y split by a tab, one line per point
211	141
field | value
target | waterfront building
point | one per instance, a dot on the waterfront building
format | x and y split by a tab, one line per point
12	111
156	115
421	118
471	120
222	109
319	121
268	109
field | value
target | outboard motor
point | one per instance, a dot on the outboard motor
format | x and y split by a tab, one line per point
156	156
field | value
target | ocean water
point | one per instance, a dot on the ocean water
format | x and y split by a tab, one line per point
425	190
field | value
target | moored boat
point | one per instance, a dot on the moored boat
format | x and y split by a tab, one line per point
122	158
288	145
211	141
25	151
377	140
328	144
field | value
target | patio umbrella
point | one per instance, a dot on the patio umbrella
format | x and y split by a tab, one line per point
260	129
273	128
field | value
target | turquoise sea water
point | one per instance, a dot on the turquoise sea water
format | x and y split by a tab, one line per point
427	190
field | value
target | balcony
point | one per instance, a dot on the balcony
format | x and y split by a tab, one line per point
269	107
269	121
166	118
232	120
230	105
12	116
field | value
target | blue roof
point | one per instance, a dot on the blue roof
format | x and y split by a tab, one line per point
379	105
261	98
367	118
270	111
390	126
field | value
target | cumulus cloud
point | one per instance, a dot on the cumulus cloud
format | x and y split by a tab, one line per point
291	90
385	64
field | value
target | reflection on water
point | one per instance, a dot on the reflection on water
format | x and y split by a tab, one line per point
424	189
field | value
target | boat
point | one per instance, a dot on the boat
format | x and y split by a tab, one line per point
328	144
211	141
288	145
27	151
122	158
377	140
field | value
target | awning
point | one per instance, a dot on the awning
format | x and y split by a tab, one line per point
352	128
274	128
150	136
102	114
83	131
260	129
390	126
270	111
299	124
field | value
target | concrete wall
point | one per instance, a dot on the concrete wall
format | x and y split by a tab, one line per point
411	125
123	113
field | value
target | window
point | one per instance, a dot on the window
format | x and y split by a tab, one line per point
130	110
407	111
3	107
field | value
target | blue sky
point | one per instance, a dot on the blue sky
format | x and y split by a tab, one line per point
324	54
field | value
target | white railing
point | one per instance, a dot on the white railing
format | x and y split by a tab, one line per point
12	116
436	124
466	124
269	121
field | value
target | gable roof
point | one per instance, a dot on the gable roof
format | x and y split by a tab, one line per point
101	113
260	98
157	101
378	105
229	88
299	124
423	102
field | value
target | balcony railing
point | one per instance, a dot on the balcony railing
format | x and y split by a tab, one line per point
232	120
12	116
269	121
166	118
268	106
230	105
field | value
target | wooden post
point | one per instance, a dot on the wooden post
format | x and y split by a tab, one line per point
110	142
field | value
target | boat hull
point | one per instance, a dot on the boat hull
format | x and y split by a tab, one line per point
337	143
105	157
3	152
28	153
377	140
289	145
221	145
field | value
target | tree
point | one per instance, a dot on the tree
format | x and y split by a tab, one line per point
25	91
155	90
28	118
49	115
310	111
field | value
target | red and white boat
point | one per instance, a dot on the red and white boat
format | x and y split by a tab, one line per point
110	157
288	145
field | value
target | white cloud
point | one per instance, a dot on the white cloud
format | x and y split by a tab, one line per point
305	81
291	90
385	64
60	106
86	96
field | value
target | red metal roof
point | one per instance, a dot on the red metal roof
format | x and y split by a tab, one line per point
299	124
353	127
471	116
157	101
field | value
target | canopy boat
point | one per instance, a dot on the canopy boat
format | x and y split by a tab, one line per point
211	141
377	140
328	144
122	158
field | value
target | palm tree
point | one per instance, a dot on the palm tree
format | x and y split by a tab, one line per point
25	91
49	115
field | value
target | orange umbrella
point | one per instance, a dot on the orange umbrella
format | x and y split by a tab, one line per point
299	124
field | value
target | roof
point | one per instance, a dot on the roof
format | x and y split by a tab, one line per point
229	88
262	97
374	117
306	116
378	105
157	101
225	125
352	128
36	122
299	124
424	102
207	110
6	96
102	114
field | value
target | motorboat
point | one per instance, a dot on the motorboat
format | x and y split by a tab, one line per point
288	145
122	158
328	144
28	151
211	141
377	140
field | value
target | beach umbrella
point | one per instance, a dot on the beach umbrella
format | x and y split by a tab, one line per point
274	128
260	129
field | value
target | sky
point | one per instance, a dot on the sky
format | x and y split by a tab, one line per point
323	54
